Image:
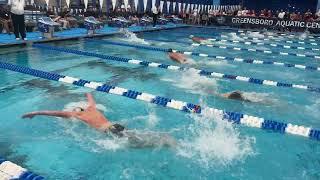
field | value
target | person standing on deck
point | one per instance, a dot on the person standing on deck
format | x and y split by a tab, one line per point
155	13
17	16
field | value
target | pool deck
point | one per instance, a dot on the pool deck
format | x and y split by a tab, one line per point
77	33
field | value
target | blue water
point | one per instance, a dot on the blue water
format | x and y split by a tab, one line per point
208	147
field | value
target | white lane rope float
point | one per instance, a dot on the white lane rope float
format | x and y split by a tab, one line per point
10	171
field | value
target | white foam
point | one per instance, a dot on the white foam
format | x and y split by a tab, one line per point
313	109
255	35
112	143
234	36
214	142
211	62
258	97
132	37
151	119
82	104
194	83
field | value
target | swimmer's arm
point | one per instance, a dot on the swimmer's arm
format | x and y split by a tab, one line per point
91	101
63	114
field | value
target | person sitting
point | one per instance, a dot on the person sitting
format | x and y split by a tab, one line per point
5	20
62	18
98	121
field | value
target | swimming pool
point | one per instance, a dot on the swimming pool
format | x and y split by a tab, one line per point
209	148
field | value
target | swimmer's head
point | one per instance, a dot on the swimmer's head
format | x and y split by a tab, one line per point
236	95
191	36
117	129
78	109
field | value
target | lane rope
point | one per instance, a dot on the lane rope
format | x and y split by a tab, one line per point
201	54
258	50
180	68
290	35
235	117
9	170
277	40
262	43
249	61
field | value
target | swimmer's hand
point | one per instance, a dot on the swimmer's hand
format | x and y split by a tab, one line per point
28	115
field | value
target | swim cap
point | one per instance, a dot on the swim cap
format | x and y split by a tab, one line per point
235	95
117	129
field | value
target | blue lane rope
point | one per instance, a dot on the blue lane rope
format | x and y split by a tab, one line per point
235	117
219	40
9	170
277	40
250	61
170	67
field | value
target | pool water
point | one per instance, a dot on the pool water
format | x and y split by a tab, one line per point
208	147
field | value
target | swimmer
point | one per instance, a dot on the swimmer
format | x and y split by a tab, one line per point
97	120
180	58
200	40
235	95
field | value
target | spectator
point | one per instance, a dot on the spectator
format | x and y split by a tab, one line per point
308	15
5	20
62	18
204	19
269	14
155	12
281	14
293	16
17	15
299	16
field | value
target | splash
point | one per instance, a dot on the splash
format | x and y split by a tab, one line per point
263	98
214	142
132	37
193	82
255	35
112	144
151	120
212	62
235	37
304	35
82	104
313	109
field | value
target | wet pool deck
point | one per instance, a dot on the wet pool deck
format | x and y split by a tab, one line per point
76	33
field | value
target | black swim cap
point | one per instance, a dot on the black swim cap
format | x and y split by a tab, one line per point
236	95
117	129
